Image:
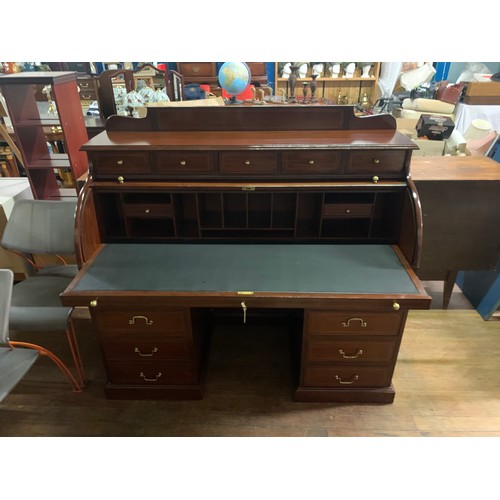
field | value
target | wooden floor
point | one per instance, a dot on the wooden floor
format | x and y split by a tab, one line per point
447	383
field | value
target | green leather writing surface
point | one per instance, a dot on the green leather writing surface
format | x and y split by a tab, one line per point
248	267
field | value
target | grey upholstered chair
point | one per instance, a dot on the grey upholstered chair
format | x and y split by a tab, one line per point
47	227
43	227
16	358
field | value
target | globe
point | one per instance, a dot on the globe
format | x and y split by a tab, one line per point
234	78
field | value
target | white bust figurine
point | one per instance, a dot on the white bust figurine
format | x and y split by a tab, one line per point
334	69
285	72
303	70
349	70
317	69
365	70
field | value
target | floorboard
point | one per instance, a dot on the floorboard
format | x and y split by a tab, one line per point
447	383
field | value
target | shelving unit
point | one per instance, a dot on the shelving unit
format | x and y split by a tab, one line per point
31	123
339	90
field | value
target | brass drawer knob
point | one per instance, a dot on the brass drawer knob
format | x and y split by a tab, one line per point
247	162
119	162
347	210
120	179
376	161
147	211
183	162
375	179
93	303
396	306
311	162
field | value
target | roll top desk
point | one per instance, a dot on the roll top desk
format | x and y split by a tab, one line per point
307	211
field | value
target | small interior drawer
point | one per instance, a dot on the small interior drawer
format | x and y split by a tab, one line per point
248	163
312	162
344	210
147	210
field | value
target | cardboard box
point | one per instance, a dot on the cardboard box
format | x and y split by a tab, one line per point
428	148
434	127
482	93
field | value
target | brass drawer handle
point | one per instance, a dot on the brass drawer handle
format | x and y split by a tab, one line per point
375	179
158	375
120	179
183	162
396	306
138	351
376	161
346	324
147	211
347	210
247	162
93	303
147	320
311	162
346	382
119	162
359	352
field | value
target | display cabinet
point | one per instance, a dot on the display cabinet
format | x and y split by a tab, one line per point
360	85
308	213
32	122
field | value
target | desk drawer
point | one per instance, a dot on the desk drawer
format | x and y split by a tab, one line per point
121	163
353	322
350	351
147	210
88	95
312	163
185	163
149	373
248	163
347	376
375	161
347	210
171	322
145	347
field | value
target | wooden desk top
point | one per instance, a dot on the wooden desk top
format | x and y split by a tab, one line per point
232	268
454	168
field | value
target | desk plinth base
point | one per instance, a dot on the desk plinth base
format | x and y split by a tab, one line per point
172	393
383	395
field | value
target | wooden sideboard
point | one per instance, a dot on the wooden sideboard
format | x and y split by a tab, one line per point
190	214
460	197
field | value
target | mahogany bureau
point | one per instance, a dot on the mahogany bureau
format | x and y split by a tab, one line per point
309	212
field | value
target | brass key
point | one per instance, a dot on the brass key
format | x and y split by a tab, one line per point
244	306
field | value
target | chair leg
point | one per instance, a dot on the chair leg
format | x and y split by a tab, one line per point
44	352
75	352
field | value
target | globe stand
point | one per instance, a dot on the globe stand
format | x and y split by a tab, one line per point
233	100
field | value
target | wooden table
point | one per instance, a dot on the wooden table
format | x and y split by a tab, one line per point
460	197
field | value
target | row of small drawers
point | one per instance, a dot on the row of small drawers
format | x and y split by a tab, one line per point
350	349
249	163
